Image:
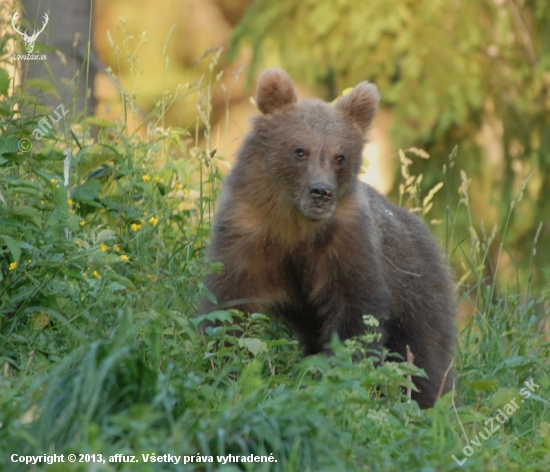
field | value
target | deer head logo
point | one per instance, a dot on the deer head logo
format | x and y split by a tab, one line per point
29	40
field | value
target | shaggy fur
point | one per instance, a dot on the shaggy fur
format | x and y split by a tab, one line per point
301	238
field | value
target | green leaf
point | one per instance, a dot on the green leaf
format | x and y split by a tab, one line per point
88	191
254	345
8	145
92	160
115	286
218	315
127	283
44	86
98	121
13	247
45	175
503	396
105	235
483	385
4	82
516	361
544	429
469	415
51	156
27	213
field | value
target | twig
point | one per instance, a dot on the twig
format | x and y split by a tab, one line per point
478	403
271	368
414	274
410	360
29	362
445	379
524	33
456	413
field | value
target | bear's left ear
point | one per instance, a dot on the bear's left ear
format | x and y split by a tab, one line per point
360	105
275	91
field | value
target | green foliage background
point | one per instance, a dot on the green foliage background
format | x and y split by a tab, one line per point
446	69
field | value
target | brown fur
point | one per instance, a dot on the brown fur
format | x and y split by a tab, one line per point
300	237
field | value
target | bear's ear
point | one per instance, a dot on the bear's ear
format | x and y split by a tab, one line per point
275	91
360	105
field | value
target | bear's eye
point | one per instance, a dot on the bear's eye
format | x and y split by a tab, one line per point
300	153
340	158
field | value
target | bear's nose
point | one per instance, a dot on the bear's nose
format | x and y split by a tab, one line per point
321	192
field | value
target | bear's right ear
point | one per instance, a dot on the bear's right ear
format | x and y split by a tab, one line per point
275	91
360	105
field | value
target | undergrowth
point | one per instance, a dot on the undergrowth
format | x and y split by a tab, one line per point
102	239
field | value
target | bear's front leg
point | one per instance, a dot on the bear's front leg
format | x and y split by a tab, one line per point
252	278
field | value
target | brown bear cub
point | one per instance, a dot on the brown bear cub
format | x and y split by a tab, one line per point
301	238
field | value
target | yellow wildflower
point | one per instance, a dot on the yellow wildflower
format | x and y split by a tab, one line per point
81	223
72	212
185	191
13	265
104	247
96	274
53	181
29	261
70	201
154	221
116	248
146	178
78	243
124	257
135	226
178	186
157	179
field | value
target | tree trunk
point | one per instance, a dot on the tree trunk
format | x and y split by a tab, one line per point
68	30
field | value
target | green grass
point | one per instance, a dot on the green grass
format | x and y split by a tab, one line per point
101	353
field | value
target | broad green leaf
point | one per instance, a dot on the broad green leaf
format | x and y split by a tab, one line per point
26	213
88	191
13	247
8	144
93	160
483	385
254	345
503	396
105	235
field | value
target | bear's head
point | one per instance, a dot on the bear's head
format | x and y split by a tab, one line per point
312	149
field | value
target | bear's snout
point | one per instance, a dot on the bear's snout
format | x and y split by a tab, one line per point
318	201
321	192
